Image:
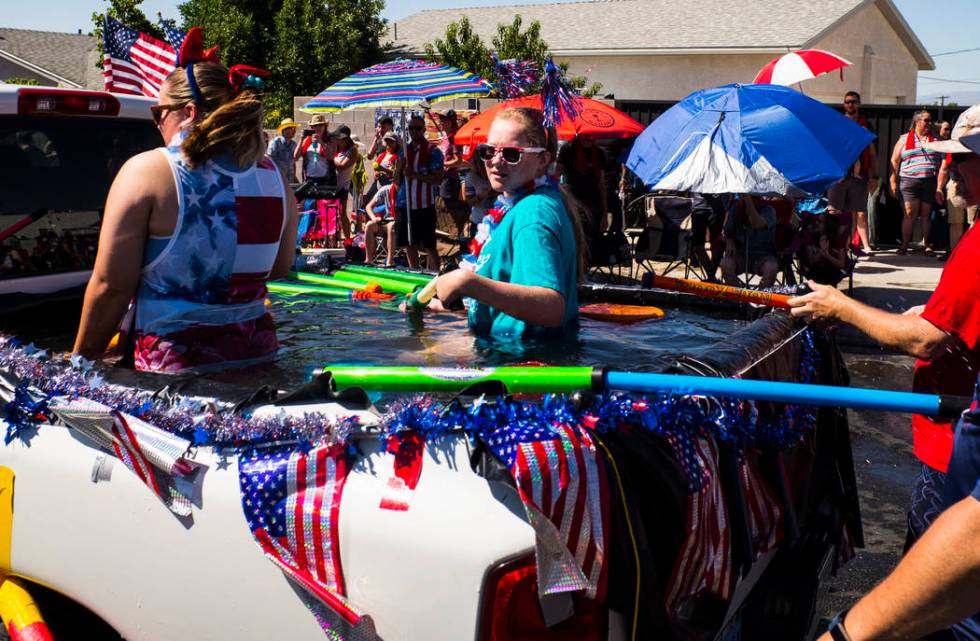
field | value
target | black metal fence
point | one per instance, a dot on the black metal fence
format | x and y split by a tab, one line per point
887	121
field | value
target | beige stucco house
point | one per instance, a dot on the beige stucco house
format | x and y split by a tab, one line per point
665	49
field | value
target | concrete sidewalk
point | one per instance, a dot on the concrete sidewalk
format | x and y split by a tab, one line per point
893	283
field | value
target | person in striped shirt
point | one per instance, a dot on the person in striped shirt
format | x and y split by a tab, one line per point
914	171
420	170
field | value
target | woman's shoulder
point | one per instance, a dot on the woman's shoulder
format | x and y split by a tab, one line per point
545	206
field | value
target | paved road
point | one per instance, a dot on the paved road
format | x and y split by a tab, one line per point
885	468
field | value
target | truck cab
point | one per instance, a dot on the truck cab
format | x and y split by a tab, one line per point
59	152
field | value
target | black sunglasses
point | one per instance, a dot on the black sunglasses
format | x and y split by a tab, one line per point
852	102
511	155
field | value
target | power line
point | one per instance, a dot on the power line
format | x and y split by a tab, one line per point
961	82
950	53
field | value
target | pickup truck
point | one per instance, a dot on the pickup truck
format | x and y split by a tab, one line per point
452	552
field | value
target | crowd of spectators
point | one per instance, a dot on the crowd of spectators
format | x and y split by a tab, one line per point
47	252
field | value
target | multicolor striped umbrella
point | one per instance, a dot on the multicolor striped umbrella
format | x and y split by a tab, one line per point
400	83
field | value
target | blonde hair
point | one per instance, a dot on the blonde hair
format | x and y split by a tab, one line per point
537	135
226	124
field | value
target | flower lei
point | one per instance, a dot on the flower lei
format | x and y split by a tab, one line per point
495	215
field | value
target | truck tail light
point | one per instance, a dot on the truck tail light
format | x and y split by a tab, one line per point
510	611
75	103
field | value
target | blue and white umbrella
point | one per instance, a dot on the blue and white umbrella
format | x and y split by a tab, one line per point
747	139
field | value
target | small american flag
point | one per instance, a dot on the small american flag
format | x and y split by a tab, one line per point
563	486
134	63
291	501
704	563
764	511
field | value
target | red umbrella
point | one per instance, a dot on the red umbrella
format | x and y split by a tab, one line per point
596	120
800	65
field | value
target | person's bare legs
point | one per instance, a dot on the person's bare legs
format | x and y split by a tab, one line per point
412	255
908	222
729	270
432	260
862	226
925	210
370	242
392	247
768	270
955	234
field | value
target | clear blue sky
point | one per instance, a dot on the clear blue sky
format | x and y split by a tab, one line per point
948	26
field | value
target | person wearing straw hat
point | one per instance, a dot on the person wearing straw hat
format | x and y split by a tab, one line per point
944	334
317	151
282	149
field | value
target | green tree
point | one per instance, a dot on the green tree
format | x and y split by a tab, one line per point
21	80
127	12
242	29
462	47
315	48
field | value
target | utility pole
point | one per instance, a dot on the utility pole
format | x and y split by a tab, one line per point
942	103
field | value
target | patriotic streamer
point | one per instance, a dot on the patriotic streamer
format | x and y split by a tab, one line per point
559	101
515	78
291	500
565	494
155	456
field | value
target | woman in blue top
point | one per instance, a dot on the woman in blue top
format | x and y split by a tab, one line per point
522	276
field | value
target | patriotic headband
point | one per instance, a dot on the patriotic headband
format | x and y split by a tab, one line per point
239	76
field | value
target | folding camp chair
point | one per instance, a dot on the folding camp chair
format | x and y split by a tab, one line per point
661	231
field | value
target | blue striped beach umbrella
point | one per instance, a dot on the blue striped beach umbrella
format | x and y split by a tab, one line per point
400	83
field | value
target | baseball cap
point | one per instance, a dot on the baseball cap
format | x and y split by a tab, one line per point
965	137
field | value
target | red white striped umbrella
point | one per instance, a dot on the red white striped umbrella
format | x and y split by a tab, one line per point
800	65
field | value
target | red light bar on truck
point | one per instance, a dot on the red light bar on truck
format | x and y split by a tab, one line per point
76	103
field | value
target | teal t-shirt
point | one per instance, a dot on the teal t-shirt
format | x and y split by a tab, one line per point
534	245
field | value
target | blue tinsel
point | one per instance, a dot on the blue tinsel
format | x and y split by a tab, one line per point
514	77
559	101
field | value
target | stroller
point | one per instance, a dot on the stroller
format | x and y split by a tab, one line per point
321	207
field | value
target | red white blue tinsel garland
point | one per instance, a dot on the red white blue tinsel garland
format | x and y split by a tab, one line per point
515	78
34	379
559	100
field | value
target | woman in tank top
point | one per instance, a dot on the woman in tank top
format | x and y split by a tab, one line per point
192	231
914	170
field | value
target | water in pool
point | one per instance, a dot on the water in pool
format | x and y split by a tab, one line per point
315	332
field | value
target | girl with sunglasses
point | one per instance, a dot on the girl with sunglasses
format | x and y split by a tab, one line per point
522	275
192	231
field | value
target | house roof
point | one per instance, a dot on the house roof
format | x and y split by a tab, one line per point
66	58
660	26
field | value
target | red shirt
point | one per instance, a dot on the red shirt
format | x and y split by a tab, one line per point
955	309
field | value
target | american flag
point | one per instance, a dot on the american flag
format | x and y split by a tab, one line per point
704	563
563	486
291	501
134	63
173	35
765	513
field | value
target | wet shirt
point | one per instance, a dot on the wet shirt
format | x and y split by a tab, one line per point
534	246
955	309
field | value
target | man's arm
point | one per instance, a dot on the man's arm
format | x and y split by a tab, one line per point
908	333
935	585
896	162
941	181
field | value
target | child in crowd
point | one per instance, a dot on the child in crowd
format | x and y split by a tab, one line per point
380	212
822	258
